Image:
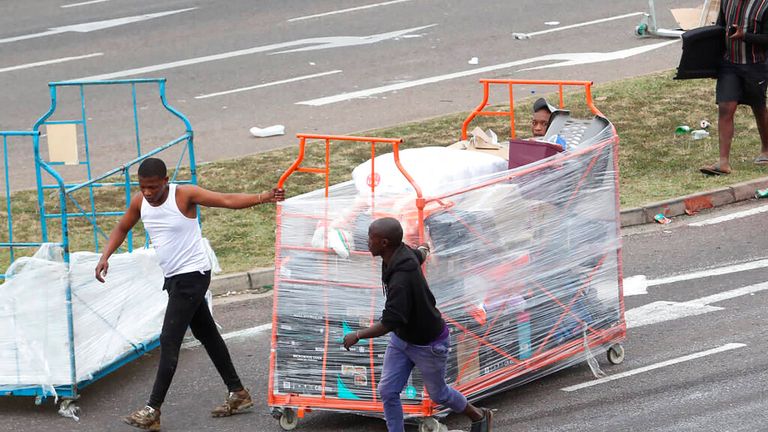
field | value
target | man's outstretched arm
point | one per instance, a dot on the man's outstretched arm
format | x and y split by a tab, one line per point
207	198
118	234
374	331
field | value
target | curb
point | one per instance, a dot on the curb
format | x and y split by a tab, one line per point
259	278
255	279
693	203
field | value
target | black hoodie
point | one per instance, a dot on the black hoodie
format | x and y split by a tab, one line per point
410	308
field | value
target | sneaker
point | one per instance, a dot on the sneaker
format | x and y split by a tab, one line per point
236	403
146	418
484	424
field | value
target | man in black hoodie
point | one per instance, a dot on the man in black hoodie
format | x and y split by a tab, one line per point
420	336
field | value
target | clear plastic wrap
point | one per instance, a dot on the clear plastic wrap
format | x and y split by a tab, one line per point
525	267
109	320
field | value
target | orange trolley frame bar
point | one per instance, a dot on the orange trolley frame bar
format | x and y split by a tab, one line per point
510	83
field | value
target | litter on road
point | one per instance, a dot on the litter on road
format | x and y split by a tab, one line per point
660	218
267	131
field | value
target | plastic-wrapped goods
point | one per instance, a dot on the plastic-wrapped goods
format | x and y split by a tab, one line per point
109	320
525	267
430	167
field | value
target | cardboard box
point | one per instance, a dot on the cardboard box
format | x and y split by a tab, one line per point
482	143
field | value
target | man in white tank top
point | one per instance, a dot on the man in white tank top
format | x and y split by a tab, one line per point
169	214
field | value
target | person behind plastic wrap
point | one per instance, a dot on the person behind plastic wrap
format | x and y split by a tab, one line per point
419	335
743	75
542	111
169	214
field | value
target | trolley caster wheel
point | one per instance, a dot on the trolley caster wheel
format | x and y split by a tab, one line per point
641	30
616	354
431	424
288	420
276	413
68	408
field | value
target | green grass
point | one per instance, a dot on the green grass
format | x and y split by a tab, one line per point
654	164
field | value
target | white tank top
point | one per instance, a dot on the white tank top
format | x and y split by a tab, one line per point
176	238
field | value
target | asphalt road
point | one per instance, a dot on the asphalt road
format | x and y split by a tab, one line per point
720	386
711	391
296	53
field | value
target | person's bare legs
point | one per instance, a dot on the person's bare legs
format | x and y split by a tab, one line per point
761	118
726	112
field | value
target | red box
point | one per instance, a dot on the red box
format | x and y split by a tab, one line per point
523	152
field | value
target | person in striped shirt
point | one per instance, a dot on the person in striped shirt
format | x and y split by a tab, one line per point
743	75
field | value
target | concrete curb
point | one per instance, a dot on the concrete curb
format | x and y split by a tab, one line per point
255	279
693	203
261	277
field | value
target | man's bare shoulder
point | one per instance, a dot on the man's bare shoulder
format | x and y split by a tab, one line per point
188	192
188	189
136	200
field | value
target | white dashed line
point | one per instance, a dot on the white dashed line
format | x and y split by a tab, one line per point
82	3
735	268
346	10
244	333
572	26
730	217
726	347
269	84
49	62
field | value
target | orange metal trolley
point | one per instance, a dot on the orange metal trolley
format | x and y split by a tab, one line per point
547	299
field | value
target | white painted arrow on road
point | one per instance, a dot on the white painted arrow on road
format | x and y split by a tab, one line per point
565	59
317	43
660	311
93	26
638	285
576	59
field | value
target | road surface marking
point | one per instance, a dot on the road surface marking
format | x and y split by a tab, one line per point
735	268
315	44
727	295
661	311
93	26
269	84
634	316
638	285
82	3
340	11
732	216
577	59
598	21
233	335
635	285
567	58
47	62
726	347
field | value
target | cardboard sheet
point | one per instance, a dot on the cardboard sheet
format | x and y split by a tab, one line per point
62	143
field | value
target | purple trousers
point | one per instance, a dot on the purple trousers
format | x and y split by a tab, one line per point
399	361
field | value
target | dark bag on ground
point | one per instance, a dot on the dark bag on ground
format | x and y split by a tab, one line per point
703	50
